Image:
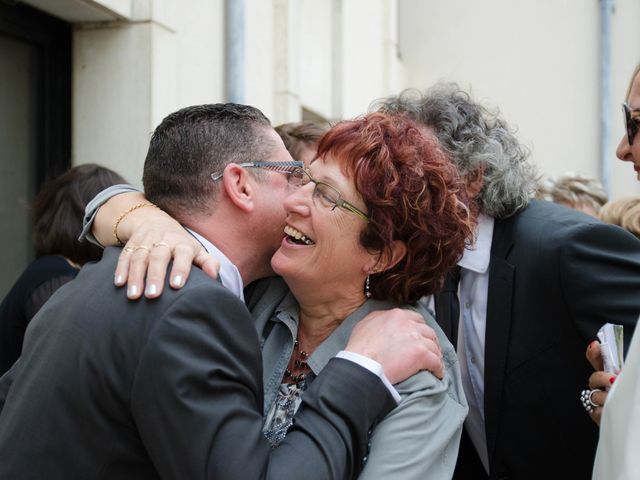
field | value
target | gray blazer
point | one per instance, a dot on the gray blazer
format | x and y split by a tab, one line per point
417	440
167	388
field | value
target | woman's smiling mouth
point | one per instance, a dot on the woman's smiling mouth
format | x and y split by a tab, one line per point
297	237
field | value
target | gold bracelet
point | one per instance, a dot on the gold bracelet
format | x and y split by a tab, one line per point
124	214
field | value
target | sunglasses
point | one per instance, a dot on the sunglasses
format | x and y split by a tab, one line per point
632	124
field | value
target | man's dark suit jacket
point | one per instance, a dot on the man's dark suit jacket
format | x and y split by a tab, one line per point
555	276
167	388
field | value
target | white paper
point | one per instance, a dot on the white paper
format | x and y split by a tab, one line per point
611	347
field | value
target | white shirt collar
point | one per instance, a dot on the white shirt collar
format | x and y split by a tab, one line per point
229	273
476	258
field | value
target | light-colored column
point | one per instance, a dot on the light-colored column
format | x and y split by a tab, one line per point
112	96
261	37
286	106
128	75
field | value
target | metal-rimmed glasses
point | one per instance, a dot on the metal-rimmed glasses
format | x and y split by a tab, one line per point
282	167
631	124
326	194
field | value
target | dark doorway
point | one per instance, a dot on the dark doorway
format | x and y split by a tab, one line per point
35	122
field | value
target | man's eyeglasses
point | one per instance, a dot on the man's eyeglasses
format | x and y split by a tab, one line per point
282	167
326	194
631	124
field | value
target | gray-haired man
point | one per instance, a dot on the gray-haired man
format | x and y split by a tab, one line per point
539	282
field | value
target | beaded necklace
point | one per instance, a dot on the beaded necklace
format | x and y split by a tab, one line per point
298	368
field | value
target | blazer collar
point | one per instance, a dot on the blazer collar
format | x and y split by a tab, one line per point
498	327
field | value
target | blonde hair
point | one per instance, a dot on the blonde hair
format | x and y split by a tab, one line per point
624	212
574	190
633	77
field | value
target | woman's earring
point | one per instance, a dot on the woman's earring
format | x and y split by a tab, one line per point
367	291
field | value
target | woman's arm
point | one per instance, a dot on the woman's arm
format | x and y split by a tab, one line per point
96	202
151	239
109	212
420	438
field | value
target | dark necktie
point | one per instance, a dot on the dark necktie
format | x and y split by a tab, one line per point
447	305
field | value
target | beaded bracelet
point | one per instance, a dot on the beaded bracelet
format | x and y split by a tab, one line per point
124	214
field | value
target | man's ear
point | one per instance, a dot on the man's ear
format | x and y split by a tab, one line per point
236	186
388	258
475	181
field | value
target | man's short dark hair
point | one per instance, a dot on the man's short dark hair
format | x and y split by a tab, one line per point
194	142
58	209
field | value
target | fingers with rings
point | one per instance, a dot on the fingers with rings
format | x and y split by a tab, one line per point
156	269
137	265
122	270
586	397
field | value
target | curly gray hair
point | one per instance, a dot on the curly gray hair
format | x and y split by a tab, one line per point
474	137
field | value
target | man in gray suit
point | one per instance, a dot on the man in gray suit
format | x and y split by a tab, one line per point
172	387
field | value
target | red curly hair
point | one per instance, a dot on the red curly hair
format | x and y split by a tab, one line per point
413	193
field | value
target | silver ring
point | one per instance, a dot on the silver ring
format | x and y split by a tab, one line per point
586	397
142	247
129	249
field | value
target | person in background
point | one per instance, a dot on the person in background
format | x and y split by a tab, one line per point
576	191
617	410
624	212
538	284
59	254
301	139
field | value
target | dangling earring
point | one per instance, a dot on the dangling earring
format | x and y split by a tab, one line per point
367	291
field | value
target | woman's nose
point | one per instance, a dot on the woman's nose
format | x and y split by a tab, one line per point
624	149
298	199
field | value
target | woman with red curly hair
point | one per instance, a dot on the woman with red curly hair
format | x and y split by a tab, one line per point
374	223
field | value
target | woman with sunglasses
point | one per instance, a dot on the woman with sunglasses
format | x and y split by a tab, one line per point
373	223
617	455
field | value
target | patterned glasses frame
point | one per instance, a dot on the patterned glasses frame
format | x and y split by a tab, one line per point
281	167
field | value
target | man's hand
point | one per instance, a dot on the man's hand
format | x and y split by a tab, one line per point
400	341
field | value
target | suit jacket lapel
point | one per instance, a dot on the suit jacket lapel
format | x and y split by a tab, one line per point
446	318
498	325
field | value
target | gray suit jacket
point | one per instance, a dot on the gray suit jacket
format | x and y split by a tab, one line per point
166	388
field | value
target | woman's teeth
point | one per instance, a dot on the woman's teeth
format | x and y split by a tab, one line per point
297	235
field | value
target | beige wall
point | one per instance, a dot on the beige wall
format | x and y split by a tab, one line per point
368	53
333	57
538	61
134	61
128	75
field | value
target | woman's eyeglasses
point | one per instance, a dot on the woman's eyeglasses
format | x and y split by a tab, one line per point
631	123
282	167
326	194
